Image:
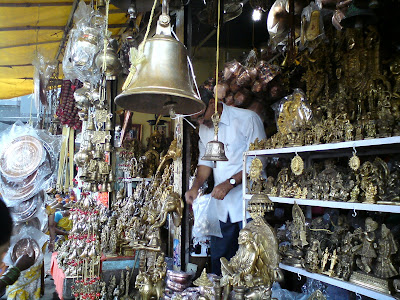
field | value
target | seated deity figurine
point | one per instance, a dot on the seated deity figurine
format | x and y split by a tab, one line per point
255	266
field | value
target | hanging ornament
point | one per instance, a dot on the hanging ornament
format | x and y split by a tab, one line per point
297	165
354	162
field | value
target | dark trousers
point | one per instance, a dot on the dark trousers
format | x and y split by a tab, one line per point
225	246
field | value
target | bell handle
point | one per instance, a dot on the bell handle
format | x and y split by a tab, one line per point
164	24
215	118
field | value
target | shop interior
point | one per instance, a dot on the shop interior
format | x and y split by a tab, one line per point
133	132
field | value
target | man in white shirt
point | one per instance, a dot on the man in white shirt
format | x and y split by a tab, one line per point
237	129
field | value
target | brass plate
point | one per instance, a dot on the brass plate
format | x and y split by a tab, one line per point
25	210
25	246
21	157
21	189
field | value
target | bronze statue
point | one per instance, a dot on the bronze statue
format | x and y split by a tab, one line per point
387	248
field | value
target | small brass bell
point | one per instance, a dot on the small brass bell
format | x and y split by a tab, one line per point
90	125
109	187
111	177
93	187
109	126
92	177
103	187
98	154
215	150
84	174
108	147
86	186
89	147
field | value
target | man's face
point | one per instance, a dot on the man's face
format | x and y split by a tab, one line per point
204	116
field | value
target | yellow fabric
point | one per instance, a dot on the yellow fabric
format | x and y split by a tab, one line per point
27	285
65	224
17	80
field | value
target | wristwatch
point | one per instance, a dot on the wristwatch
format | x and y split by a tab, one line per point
232	181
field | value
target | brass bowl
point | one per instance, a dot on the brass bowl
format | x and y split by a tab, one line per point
25	246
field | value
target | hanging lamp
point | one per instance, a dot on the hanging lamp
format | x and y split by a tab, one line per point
163	80
215	150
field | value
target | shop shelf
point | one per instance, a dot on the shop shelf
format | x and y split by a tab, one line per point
338	282
371	144
336	204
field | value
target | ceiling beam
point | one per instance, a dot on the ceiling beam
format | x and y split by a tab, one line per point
29	44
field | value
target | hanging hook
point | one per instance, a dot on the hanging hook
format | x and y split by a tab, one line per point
358	296
298	276
354	150
354	214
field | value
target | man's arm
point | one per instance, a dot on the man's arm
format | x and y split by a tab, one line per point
221	190
203	172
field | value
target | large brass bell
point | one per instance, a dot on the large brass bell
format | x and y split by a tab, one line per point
164	79
215	150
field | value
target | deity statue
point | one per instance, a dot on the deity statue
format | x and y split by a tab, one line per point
346	258
111	287
158	275
255	266
367	250
312	257
333	259
324	260
387	247
116	293
348	136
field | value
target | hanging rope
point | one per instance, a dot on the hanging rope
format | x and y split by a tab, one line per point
217	58
105	37
136	55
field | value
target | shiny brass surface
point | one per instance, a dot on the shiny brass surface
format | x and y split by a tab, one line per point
21	157
215	150
163	81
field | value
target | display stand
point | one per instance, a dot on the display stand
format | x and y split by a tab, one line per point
363	147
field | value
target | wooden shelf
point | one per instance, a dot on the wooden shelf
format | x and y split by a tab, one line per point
338	282
336	204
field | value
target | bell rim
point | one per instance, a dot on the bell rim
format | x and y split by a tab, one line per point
214	158
121	100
